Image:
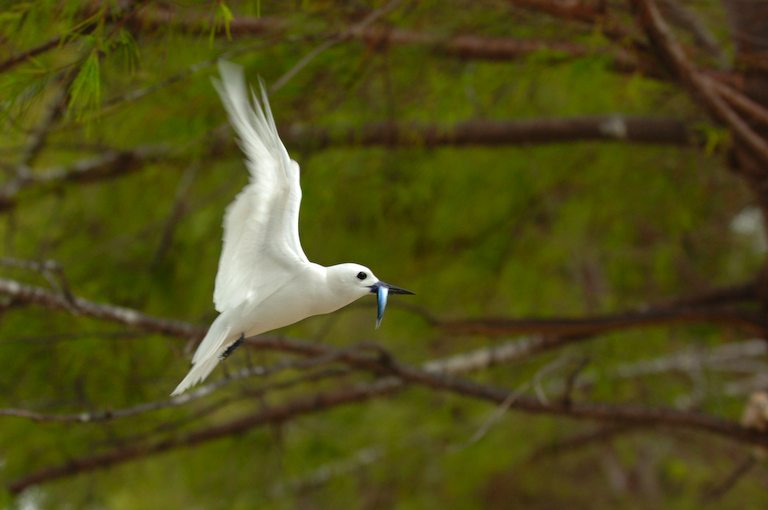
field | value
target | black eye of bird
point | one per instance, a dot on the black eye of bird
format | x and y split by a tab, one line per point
361	276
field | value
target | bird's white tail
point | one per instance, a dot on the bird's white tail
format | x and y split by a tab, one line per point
208	354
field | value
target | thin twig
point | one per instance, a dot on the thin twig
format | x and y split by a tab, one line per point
309	57
83	27
746	105
401	375
683	17
701	86
579	441
39	135
584	327
177	211
51	270
110	164
38	295
717	491
185	398
611	128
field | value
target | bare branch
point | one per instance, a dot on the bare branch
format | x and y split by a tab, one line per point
716	492
136	94
617	128
380	38
483	47
683	17
196	23
104	166
579	441
737	357
746	105
480	359
37	295
740	293
51	271
701	86
438	379
583	327
191	396
55	109
606	128
579	10
593	14
13	61
721	357
326	472
84	27
401	374
277	414
177	211
153	18
556	332
332	41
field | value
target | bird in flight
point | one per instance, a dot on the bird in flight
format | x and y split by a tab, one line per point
264	280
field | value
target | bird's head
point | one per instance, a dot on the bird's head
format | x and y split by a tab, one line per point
357	280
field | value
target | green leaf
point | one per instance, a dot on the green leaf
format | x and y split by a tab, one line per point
127	50
227	16
223	17
85	94
715	138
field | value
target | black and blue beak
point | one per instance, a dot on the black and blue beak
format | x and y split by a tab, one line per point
382	291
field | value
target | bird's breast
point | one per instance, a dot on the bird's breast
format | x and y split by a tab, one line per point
292	303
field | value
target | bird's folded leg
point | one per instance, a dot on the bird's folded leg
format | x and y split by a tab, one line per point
229	350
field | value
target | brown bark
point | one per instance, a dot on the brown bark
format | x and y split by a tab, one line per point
605	128
591	326
382	37
22	293
499	133
396	376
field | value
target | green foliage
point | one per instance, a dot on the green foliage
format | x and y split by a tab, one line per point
85	94
715	139
222	18
126	51
540	230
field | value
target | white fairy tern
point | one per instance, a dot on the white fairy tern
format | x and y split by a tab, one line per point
264	280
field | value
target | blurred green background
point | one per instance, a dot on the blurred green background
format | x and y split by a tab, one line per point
563	229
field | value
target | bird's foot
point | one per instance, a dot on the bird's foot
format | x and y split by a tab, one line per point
229	350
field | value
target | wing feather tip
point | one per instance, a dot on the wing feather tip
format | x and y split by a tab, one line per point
272	202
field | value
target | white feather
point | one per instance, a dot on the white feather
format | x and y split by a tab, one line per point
261	227
264	280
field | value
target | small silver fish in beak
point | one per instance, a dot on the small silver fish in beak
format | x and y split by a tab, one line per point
382	291
381	303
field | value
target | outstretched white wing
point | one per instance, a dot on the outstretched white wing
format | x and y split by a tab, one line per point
261	227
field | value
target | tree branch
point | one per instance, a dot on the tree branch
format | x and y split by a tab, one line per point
103	166
196	23
579	328
54	110
605	128
381	37
277	414
700	85
686	19
753	109
579	441
86	26
618	128
37	295
332	41
190	396
399	375
591	13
